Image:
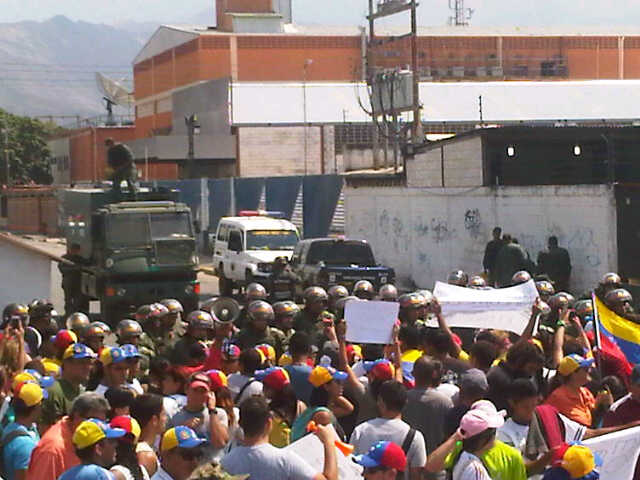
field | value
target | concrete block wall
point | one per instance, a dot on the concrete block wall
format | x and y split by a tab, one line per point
272	151
426	233
461	161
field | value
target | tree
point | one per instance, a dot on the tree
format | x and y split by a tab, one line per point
23	142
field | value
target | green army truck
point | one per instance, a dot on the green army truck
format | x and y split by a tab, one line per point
135	252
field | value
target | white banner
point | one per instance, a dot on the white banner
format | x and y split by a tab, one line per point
370	321
311	450
503	308
619	452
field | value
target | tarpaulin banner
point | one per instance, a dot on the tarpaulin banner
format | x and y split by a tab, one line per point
503	308
619	452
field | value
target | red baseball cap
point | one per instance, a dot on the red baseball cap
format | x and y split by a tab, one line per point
63	339
217	379
382	369
200	380
384	454
275	378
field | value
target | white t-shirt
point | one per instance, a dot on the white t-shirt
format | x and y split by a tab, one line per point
266	462
126	473
513	434
470	467
395	430
448	389
236	381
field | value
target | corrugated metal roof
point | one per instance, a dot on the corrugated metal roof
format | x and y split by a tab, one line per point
334	103
170	36
437	30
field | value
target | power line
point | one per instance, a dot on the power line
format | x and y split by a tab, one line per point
69	65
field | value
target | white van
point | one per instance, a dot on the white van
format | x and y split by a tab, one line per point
246	246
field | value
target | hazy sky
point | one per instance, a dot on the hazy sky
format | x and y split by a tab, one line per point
335	12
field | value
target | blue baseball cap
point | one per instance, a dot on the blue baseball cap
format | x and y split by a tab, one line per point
78	351
182	437
383	454
130	351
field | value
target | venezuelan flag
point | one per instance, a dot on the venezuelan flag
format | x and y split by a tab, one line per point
623	332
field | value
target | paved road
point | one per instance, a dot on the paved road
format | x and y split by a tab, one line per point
208	283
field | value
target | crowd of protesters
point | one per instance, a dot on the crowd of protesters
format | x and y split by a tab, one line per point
213	395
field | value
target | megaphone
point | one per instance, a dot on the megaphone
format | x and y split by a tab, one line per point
222	309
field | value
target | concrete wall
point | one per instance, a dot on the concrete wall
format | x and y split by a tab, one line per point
460	160
266	151
34	280
426	233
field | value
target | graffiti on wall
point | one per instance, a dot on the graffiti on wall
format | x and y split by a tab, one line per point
473	223
583	248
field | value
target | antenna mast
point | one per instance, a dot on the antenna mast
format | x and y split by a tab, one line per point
461	15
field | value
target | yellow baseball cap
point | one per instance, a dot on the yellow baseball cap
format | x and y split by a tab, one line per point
30	375
321	375
573	362
579	461
110	355
92	431
182	437
30	393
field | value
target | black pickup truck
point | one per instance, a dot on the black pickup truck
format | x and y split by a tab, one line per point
334	261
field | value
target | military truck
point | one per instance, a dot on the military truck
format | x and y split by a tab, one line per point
135	252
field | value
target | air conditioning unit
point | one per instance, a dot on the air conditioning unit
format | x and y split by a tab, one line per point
392	90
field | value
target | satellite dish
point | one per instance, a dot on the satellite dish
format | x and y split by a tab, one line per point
113	93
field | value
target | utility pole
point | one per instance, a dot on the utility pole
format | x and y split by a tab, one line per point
5	144
417	133
307	62
393	81
193	129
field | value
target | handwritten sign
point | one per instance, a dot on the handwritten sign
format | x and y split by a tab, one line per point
370	321
619	452
503	308
310	449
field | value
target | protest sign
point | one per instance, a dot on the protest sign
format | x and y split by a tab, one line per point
371	321
619	452
310	449
503	308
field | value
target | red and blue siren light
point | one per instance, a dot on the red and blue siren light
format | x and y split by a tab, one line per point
261	213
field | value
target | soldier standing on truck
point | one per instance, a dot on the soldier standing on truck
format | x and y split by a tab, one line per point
120	160
74	300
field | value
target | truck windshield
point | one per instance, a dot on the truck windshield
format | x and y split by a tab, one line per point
170	225
138	229
130	230
271	239
341	253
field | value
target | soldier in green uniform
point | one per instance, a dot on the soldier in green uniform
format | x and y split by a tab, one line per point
336	293
260	315
316	301
253	292
199	326
284	314
120	160
172	324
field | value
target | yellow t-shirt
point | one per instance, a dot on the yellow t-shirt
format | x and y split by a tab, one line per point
280	435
